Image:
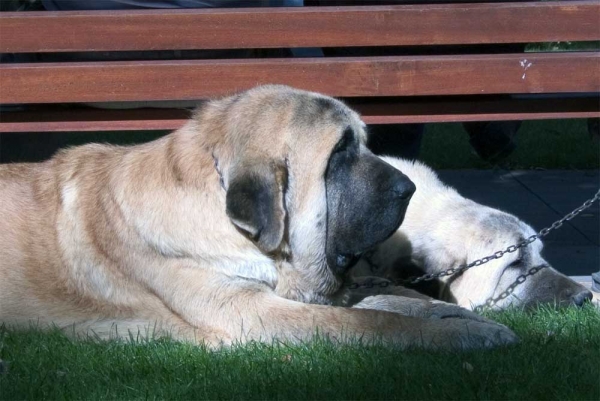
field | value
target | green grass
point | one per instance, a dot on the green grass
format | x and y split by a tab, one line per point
558	358
592	45
547	144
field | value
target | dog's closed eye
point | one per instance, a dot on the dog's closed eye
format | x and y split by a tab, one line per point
516	263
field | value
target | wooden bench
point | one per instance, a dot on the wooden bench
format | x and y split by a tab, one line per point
385	89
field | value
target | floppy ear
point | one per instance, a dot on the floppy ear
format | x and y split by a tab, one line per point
255	204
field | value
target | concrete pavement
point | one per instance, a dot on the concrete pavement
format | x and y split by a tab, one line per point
540	197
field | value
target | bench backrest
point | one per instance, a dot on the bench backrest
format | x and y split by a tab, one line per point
365	78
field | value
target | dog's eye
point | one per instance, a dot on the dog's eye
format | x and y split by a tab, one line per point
516	263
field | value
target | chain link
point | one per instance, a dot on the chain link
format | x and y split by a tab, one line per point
496	255
509	290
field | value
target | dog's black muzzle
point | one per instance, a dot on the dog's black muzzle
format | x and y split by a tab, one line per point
366	203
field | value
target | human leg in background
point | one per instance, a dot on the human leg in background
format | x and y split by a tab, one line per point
400	140
593	125
492	140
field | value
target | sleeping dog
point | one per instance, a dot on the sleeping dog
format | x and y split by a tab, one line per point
443	230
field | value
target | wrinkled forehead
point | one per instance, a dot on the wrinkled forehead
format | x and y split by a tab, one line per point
512	231
325	118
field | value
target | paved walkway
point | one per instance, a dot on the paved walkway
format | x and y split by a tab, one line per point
539	198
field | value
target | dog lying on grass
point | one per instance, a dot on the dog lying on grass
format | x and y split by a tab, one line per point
443	230
239	226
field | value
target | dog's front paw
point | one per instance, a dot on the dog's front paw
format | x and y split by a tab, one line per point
418	308
464	334
444	310
396	304
443	325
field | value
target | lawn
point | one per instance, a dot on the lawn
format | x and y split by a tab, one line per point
557	359
545	144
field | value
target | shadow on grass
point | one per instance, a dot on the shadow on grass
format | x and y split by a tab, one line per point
556	359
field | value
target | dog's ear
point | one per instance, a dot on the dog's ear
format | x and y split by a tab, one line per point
255	204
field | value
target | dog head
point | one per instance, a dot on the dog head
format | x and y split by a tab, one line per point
522	278
301	184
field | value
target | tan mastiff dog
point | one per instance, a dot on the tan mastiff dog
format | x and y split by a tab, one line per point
238	226
443	230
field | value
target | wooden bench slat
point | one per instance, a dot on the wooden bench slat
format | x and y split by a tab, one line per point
342	77
374	111
300	27
380	111
58	119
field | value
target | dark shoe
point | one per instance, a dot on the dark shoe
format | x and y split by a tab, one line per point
492	140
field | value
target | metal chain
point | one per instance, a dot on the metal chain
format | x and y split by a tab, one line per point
496	255
509	290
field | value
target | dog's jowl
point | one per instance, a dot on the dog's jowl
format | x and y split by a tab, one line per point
239	226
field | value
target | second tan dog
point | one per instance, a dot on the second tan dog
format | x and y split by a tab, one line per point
239	226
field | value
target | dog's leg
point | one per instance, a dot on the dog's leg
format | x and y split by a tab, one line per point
379	294
367	286
136	329
429	309
247	310
155	322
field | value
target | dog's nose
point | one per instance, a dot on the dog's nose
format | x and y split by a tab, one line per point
404	189
579	298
